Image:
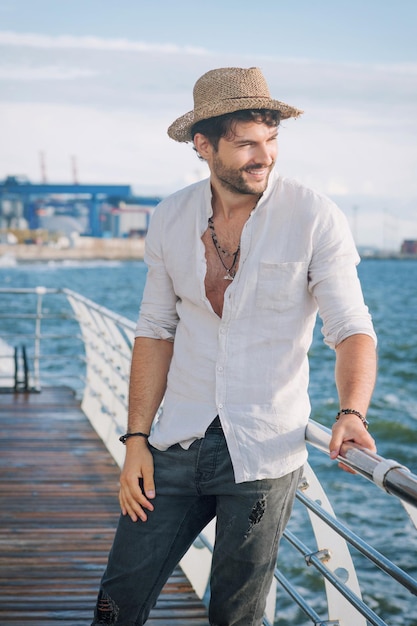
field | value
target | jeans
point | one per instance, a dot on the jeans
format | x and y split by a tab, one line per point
192	487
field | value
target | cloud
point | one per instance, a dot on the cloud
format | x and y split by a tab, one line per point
51	42
108	146
47	72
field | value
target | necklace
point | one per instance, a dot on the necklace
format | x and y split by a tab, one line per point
230	271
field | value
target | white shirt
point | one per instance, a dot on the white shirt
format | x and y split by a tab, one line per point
250	366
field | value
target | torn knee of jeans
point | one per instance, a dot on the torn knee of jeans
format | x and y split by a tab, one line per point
257	513
107	610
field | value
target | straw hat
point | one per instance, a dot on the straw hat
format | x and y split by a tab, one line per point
226	90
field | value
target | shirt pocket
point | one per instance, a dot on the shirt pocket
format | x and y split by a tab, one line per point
281	286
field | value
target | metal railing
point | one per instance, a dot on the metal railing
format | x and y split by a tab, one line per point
48	336
67	337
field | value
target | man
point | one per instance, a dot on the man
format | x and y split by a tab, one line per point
238	266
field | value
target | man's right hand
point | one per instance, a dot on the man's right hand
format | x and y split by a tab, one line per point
137	470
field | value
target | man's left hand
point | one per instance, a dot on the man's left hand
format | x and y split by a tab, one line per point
349	428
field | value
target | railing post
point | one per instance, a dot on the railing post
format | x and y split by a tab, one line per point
40	291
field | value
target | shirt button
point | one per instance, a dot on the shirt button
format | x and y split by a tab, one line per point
220	406
220	368
222	331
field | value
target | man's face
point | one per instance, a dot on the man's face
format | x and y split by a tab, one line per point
243	163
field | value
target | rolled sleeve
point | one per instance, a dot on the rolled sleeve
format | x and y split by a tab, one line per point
158	316
335	284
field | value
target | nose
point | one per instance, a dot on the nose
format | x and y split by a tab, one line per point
266	153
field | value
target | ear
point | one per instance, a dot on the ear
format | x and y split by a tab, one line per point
203	146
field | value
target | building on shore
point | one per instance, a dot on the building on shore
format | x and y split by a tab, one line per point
409	247
85	209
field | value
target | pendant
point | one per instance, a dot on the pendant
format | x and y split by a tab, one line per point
228	277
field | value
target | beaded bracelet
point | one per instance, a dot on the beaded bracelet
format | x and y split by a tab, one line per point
125	437
353	412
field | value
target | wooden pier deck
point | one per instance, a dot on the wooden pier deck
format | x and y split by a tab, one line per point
58	512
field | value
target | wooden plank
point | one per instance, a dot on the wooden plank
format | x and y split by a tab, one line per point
58	513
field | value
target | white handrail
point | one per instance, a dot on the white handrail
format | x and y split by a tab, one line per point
388	474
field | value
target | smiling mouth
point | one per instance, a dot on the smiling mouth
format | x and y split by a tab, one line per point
257	172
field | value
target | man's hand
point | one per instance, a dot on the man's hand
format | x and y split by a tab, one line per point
355	379
349	428
137	485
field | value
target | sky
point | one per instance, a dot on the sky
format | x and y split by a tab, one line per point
93	85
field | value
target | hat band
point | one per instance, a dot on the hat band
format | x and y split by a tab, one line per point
220	103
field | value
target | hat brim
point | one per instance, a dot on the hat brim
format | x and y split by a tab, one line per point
180	130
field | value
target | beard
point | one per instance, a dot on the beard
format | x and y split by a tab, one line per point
234	179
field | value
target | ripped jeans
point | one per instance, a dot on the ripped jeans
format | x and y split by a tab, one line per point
193	486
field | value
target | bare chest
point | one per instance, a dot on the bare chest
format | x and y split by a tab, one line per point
220	266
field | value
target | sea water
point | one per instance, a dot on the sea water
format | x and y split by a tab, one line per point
390	290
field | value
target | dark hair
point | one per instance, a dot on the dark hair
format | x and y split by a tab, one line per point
224	125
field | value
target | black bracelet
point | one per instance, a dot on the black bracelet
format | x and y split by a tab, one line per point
125	437
353	412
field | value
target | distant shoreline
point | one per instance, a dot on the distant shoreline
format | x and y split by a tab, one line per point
391	256
86	248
